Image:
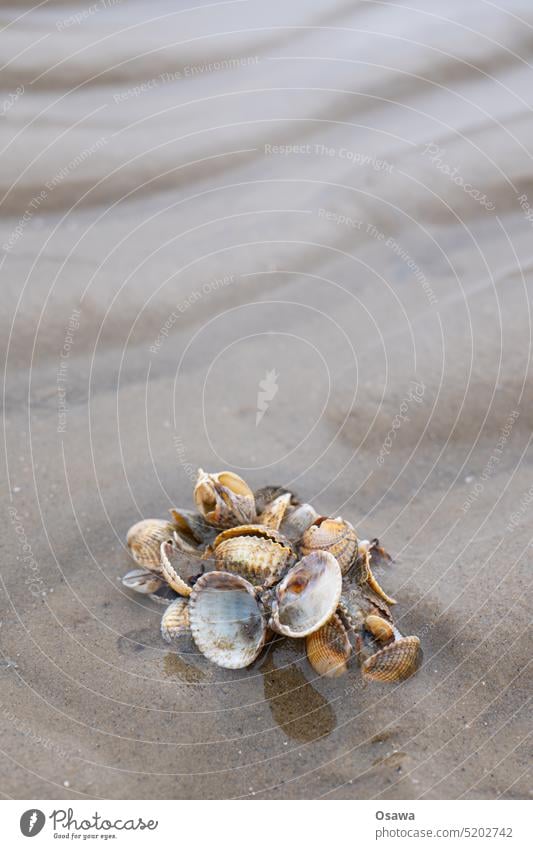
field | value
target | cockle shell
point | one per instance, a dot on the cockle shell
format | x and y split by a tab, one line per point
379	628
143	581
307	596
272	515
192	528
253	551
144	542
227	622
175	568
297	520
328	649
395	662
365	575
175	621
333	535
266	494
224	499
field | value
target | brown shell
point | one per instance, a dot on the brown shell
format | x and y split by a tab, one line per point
192	528
272	515
333	535
175	621
260	559
328	649
172	566
396	662
224	499
379	628
144	542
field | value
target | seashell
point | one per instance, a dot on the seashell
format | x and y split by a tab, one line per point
267	494
272	515
251	531
328	649
378	554
143	581
144	542
307	596
175	621
253	551
227	622
297	520
224	499
379	628
192	528
365	572
333	535
260	560
396	662
172	564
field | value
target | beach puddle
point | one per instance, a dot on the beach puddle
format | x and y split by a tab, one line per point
174	666
297	707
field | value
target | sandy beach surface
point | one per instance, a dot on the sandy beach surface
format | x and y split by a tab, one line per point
330	197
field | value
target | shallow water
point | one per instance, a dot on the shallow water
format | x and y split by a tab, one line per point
326	203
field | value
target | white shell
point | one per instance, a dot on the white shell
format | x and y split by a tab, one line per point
144	542
227	623
297	520
175	621
142	581
308	595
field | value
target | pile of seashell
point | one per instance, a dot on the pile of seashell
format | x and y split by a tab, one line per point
246	565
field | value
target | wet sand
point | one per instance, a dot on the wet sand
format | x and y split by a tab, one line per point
335	192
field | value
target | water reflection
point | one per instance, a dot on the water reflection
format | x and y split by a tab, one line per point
175	666
301	712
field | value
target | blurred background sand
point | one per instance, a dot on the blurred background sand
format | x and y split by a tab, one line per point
195	195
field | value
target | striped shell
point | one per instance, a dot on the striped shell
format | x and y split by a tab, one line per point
224	499
142	581
272	515
173	569
175	621
144	542
328	649
379	628
227	622
307	596
253	551
333	535
395	662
